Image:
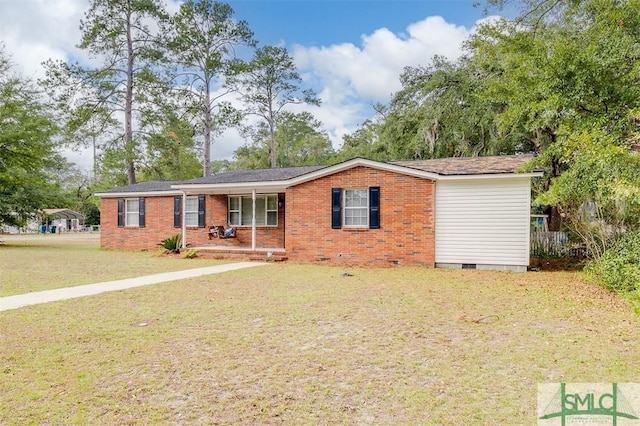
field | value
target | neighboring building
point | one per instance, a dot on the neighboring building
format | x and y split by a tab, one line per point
49	220
454	212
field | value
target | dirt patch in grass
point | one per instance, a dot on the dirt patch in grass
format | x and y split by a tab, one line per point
301	344
35	265
556	264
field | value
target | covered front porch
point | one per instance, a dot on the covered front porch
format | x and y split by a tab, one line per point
256	214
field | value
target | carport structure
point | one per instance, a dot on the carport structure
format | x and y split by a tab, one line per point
63	214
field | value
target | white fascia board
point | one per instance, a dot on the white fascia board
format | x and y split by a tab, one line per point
282	185
233	188
492	176
356	162
136	194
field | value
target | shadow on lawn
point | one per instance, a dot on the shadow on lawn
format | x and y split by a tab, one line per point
551	264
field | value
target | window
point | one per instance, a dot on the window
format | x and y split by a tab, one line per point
241	210
355	208
191	211
195	211
131	212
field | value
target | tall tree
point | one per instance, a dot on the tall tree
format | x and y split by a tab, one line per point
122	35
203	39
28	156
300	141
440	113
568	80
171	153
270	83
363	142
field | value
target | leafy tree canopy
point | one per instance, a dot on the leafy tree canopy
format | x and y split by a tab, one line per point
203	39
300	141
268	84
28	157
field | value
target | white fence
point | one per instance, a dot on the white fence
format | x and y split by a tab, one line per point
554	244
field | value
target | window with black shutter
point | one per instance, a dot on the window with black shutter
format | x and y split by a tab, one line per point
374	207
141	212
131	212
201	211
120	212
355	208
177	211
336	208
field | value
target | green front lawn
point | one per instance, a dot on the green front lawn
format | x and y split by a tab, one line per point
30	264
302	344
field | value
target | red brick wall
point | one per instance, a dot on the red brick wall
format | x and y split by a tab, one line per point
159	225
406	234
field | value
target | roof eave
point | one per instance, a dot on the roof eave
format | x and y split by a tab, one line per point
233	188
505	175
282	185
357	162
136	194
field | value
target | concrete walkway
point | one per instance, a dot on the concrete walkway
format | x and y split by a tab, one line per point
20	300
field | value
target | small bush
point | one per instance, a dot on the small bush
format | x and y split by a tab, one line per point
618	268
190	254
171	244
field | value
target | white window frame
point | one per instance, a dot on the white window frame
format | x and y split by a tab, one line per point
134	220
191	216
259	223
346	210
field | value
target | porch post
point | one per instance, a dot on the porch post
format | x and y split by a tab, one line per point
183	219
253	220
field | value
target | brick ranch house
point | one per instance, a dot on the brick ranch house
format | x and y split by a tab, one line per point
454	212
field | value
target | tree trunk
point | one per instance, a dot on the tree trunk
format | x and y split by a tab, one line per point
128	107
272	144
207	130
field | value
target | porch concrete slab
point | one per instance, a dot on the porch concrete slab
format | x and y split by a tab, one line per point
21	300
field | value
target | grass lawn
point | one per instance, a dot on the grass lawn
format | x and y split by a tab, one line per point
303	344
37	263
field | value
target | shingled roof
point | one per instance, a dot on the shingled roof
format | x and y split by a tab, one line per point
151	186
469	165
258	175
442	166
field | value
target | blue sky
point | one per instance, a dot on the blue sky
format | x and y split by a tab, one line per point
351	52
324	22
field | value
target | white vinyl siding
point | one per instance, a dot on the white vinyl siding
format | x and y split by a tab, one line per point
483	221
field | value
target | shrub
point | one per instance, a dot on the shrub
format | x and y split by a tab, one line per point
171	244
618	268
190	254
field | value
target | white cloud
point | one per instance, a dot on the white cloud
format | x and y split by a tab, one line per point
349	77
36	30
352	78
372	70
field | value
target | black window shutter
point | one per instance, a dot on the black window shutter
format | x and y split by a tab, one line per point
374	207
336	208
177	211
141	212
201	211
120	212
